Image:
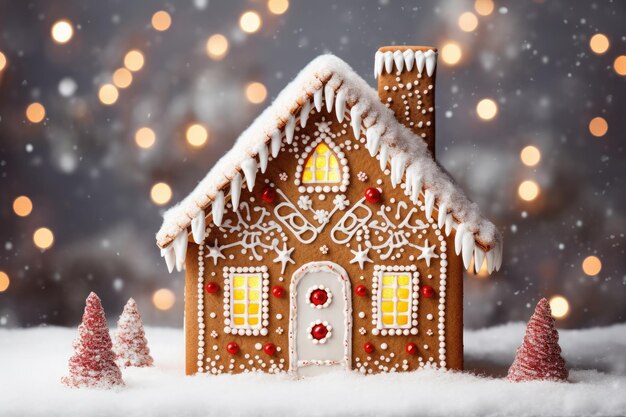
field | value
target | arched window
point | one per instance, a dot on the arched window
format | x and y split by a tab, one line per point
322	167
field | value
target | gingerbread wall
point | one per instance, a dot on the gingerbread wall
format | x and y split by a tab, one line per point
438	334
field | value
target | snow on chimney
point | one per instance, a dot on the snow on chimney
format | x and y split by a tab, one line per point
406	84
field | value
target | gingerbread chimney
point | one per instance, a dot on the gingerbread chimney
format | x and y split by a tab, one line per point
406	84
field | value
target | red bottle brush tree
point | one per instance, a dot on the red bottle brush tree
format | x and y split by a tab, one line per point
539	356
131	346
93	363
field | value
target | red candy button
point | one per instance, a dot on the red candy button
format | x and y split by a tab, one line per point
269	195
319	297
278	291
319	331
368	347
270	349
428	291
372	195
232	348
212	287
411	348
361	290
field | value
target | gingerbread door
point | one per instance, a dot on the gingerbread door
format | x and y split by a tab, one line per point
320	322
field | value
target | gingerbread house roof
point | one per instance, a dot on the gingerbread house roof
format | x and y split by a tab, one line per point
329	81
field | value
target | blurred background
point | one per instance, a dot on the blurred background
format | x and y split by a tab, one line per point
111	111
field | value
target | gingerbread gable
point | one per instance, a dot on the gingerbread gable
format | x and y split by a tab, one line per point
329	81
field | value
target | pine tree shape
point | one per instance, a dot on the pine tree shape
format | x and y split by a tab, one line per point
131	346
93	363
539	357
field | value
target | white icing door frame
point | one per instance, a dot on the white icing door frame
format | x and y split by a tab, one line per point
297	302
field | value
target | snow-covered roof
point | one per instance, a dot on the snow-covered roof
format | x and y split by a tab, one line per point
329	80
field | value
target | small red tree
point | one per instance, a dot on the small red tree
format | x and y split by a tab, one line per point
539	356
131	346
93	363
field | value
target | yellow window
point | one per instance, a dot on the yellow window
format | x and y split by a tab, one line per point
239	309
239	294
239	281
245	307
321	167
395	300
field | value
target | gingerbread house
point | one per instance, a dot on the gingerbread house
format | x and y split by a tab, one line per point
328	237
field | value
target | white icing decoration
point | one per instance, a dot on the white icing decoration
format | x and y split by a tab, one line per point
409	59
350	223
479	258
360	256
398	165
170	257
200	316
329	295
340	105
249	167
378	63
289	129
304	113
217	208
329	97
355	121
468	248
431	60
458	238
383	155
215	252
235	190
419	61
198	227
317	99
284	257
275	142
429	200
441	218
263	155
180	249
373	140
428	252
388	56
398	59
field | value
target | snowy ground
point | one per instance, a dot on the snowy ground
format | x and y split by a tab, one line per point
32	361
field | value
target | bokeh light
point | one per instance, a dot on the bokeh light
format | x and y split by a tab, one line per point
197	135
145	137
22	206
599	43
217	46
108	94
4	281
487	109
161	20
528	190
160	193
278	6
3	61
484	7
163	299
62	31
133	60
530	155
468	22
43	238
122	78
592	265
256	92
451	53
598	126
35	112
250	22
559	306
619	65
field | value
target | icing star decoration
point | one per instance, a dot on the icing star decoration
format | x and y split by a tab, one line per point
428	252
215	252
360	256
284	256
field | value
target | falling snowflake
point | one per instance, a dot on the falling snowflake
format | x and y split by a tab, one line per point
341	202
304	202
362	176
283	176
279	330
324	249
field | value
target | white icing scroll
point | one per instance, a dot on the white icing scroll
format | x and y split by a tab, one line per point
235	190
329	97
304	113
317	99
180	249
350	223
170	257
431	60
355	121
398	58
340	105
409	59
249	167
217	208
373	140
198	227
294	220
289	129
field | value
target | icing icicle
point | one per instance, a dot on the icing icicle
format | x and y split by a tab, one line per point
384	153
373	140
378	64
249	168
180	249
431	60
355	121
170	257
289	129
490	260
409	59
198	227
458	238
263	154
413	182
275	143
235	189
479	258
429	199
468	248
449	224
389	62
329	97
419	61
304	113
317	99
398	165
340	105
398	58
217	208
441	218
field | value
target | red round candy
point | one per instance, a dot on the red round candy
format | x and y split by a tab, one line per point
411	348
232	348
269	195
319	297
368	347
278	291
361	290
428	291
319	331
269	349
212	287
372	195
